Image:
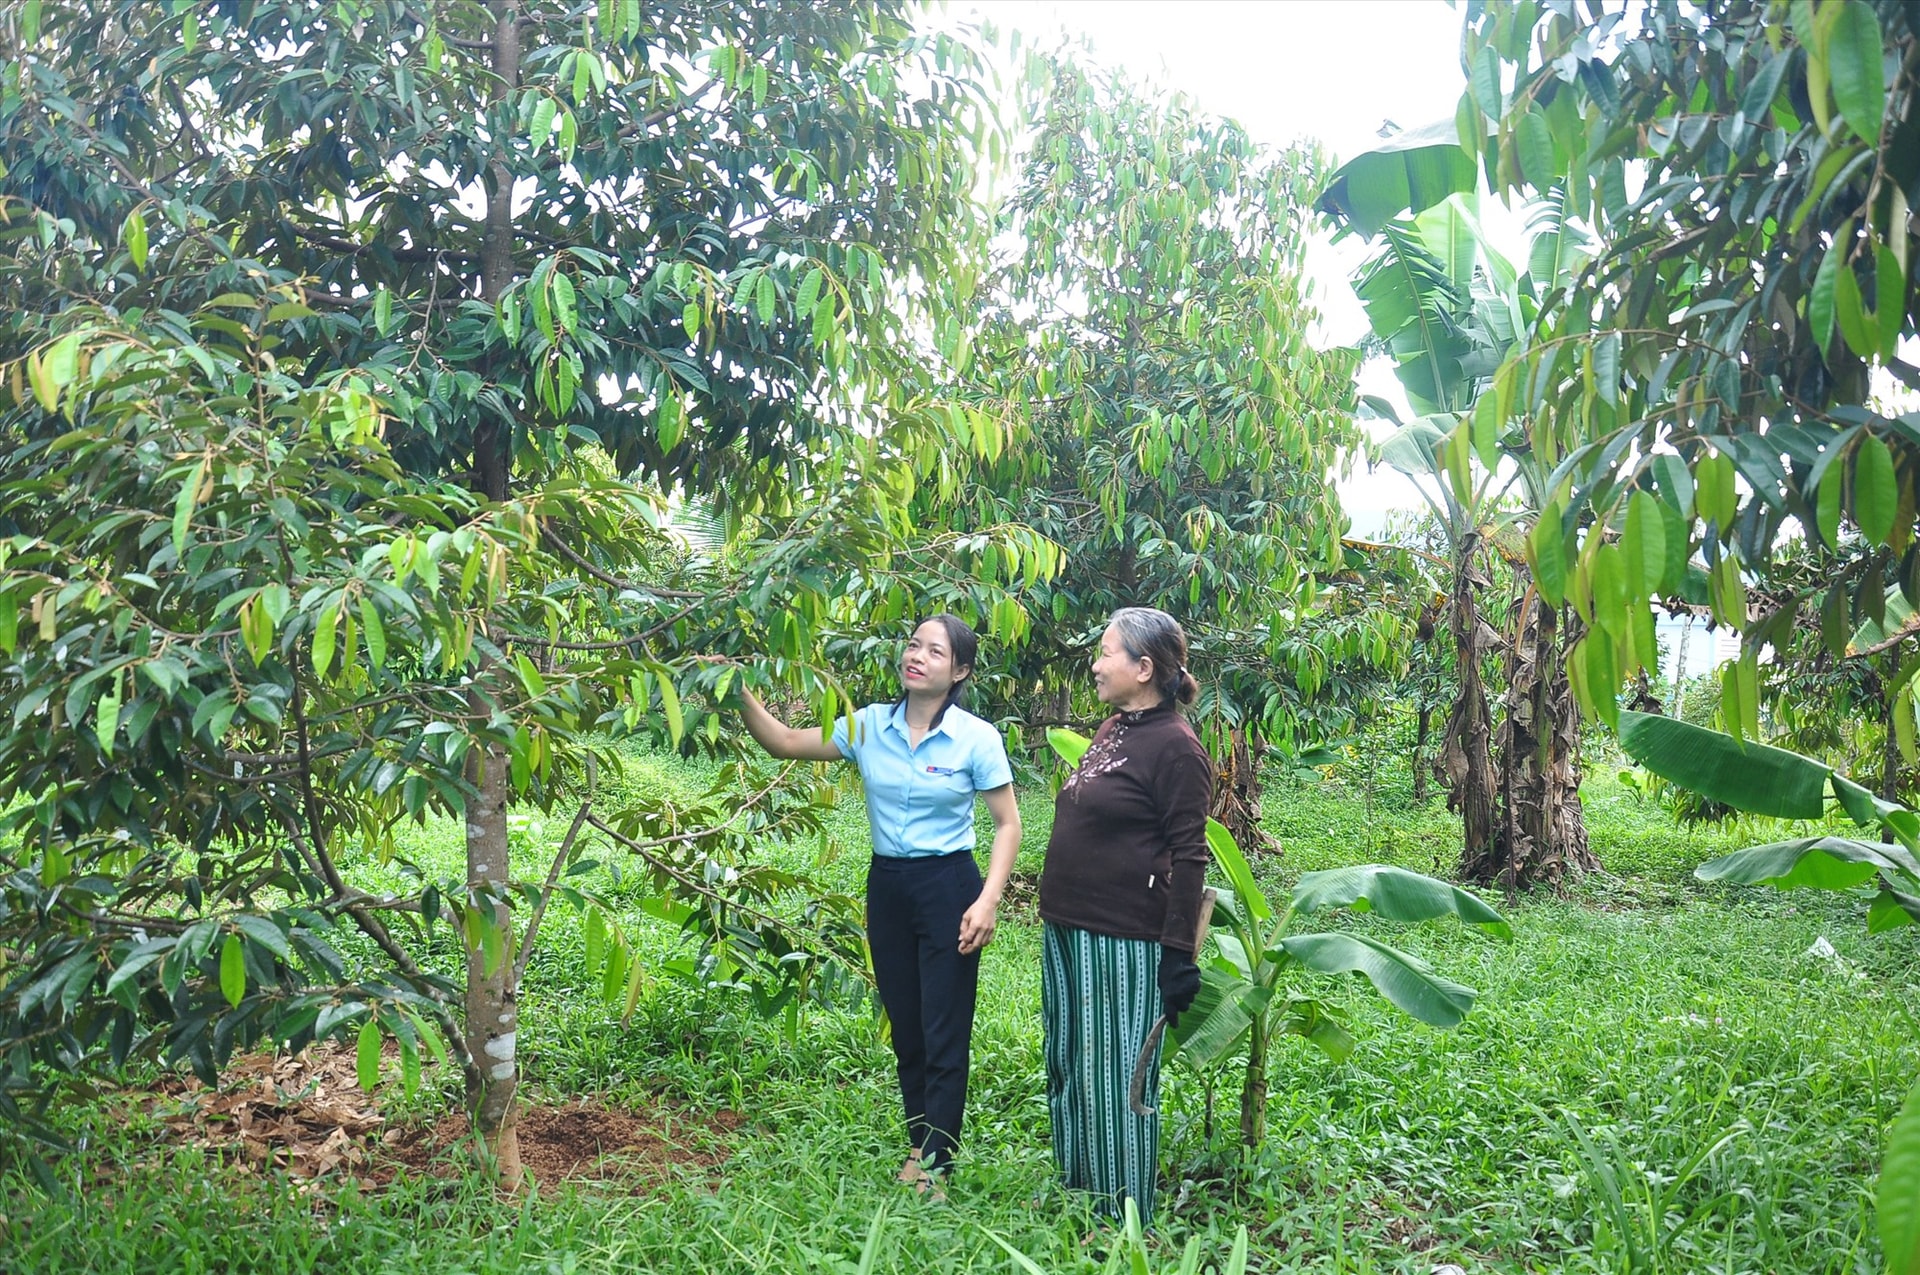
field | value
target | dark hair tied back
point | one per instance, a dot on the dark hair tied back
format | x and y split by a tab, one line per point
1151	634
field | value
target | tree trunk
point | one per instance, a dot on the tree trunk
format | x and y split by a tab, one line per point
492	999
1466	748
1253	1093
1422	728
1566	826
1680	664
1543	835
1890	750
1236	796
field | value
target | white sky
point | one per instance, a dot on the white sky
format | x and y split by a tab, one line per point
1332	70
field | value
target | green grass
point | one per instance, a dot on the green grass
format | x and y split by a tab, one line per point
1624	1033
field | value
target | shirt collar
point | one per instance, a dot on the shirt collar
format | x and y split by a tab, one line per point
898	721
1137	716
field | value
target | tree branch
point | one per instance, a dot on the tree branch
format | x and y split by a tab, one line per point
566	551
338	244
546	892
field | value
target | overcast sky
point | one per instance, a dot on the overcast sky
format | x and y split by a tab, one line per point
1332	70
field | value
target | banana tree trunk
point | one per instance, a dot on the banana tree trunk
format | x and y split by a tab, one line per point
1890	745
1236	802
1543	835
1423	727
1253	1092
1466	748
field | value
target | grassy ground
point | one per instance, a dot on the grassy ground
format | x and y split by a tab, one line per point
1659	1076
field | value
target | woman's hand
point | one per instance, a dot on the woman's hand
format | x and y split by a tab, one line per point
978	922
1179	982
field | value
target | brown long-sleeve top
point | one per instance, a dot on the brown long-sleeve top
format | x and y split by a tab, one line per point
1128	856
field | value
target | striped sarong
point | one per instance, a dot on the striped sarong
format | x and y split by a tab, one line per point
1099	996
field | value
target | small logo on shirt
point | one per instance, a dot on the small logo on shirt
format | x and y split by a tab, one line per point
943	770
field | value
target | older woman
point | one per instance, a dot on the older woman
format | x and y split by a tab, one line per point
1120	896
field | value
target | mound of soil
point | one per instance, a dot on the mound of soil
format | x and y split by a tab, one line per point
584	1141
306	1116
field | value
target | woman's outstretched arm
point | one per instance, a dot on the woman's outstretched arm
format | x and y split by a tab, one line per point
782	740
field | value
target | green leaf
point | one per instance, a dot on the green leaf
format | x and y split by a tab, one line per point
1483	82
1602	672
1071	745
1827	505
1410	172
1713	491
614	977
1816	863
595	937
671	420
1309	1019
183	506
564	310
1861	330
1458	454
1898	618
431	1034
265	933
409	1066
1219	1017
1890	297
1820	300
1607	576
1226	853
1758	97
107	718
1753	777
1646	531
367	1058
1892	909
1533	139
139	958
809	292
375	631
233	971
133	233
1486	430
541	126
670	705
1896	1196
1854	67
324	636
1547	555
1395	894
1407	982
1875	497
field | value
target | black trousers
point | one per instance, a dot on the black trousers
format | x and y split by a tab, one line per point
913	927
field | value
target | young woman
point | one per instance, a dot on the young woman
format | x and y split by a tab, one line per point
924	759
1120	898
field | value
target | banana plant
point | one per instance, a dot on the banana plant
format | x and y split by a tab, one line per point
1251	987
1764	780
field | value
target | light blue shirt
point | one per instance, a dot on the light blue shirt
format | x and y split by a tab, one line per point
920	799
